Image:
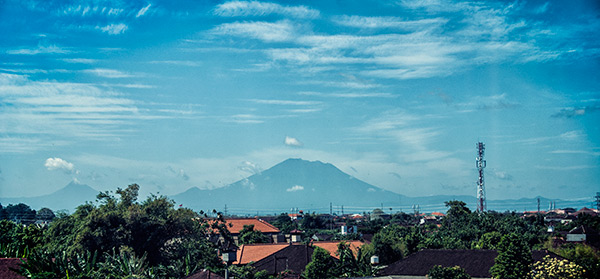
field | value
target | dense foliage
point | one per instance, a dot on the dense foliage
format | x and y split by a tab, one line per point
439	272
320	265
248	236
149	239
120	237
514	258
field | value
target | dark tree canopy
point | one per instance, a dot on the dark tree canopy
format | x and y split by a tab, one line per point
514	258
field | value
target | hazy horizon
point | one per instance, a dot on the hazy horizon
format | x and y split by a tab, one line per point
173	95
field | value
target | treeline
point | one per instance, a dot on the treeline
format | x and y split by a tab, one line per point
116	237
23	214
120	237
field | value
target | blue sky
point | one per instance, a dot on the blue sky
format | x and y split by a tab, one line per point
180	94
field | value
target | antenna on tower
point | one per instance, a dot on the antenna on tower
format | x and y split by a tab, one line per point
480	162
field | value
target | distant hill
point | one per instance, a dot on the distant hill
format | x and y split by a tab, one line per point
295	183
66	198
290	184
313	186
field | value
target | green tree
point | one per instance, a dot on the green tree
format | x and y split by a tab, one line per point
389	243
284	223
312	221
320	266
127	230
489	240
439	272
45	214
248	236
20	213
513	260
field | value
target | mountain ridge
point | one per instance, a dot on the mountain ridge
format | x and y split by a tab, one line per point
312	186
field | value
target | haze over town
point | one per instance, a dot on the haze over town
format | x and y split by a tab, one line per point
174	95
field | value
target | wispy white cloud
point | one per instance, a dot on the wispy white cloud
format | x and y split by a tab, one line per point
571	135
52	49
114	29
571	112
255	8
35	111
425	47
295	188
178	62
108	73
245	119
351	95
143	10
80	60
285	102
91	10
388	22
280	31
290	141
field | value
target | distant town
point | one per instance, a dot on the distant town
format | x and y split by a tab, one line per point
120	237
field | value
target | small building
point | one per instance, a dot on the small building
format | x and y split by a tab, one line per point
235	225
476	263
584	234
291	261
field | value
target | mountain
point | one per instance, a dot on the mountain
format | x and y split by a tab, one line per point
314	186
310	186
66	198
295	183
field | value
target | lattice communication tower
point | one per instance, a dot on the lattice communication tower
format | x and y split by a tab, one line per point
481	203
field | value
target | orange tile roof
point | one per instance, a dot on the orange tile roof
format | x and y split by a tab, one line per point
438	214
255	252
332	246
237	224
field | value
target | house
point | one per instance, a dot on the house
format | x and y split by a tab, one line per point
476	263
6	266
235	225
290	261
248	253
276	258
585	210
584	234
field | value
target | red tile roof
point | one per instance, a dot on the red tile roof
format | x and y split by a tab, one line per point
6	264
585	210
255	252
236	225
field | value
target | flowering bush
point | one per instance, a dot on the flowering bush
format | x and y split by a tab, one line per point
549	268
